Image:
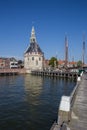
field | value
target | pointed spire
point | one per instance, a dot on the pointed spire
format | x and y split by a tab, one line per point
33	37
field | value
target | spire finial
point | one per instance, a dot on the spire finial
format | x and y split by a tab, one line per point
33	37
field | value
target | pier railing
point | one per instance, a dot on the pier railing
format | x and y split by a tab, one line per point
73	94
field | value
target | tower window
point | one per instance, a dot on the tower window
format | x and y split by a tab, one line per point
39	59
33	40
32	58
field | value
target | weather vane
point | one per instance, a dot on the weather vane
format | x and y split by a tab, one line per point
33	22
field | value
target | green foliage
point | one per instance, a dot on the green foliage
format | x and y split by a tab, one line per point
53	62
20	64
20	61
79	63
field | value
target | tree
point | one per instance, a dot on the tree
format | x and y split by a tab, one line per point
79	63
20	61
53	62
20	64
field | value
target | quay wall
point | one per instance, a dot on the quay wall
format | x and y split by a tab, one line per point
12	71
65	109
73	75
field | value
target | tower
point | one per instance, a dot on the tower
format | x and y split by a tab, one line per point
66	51
33	56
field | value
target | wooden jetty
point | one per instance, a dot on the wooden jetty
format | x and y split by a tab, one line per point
6	72
73	109
79	110
65	74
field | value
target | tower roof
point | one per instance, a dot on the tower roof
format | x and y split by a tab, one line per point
34	47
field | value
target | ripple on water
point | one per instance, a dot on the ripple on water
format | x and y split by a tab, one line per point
30	102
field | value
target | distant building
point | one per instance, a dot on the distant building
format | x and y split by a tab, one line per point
72	64
61	63
13	64
6	63
33	56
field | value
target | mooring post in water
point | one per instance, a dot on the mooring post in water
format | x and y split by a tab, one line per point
64	110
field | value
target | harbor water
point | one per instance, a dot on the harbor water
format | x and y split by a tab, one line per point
29	102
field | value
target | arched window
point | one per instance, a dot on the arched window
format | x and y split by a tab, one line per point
39	58
32	58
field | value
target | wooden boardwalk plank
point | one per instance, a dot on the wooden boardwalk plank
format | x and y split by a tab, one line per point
79	114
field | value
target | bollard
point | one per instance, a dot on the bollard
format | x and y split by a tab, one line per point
64	110
79	78
81	74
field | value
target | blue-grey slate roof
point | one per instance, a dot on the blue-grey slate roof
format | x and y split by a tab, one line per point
34	47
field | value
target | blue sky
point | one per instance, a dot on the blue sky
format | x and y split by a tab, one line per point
52	19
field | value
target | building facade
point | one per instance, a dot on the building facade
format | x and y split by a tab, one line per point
4	62
33	56
7	63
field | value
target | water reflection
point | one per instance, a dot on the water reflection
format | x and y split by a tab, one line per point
30	102
33	85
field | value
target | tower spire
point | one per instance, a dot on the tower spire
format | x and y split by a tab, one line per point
33	37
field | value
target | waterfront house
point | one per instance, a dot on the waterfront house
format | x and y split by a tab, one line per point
4	62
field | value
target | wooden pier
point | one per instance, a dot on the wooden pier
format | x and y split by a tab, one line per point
72	75
79	110
8	72
73	109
